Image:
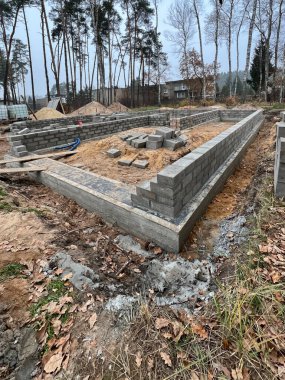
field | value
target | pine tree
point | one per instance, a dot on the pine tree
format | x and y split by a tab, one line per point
257	70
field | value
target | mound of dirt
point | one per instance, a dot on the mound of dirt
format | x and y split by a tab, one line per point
90	109
244	107
48	113
118	107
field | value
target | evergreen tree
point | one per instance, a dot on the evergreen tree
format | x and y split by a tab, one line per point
257	70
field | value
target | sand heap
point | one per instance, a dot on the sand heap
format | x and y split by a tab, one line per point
90	109
245	107
48	113
118	107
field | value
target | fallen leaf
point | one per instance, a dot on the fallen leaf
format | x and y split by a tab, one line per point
92	320
54	363
199	330
58	271
161	322
139	359
166	358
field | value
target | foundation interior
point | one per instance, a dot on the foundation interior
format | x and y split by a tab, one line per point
93	156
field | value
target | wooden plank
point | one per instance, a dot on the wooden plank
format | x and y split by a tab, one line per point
33	158
21	170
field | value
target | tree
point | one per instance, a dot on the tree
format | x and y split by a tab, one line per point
193	71
258	68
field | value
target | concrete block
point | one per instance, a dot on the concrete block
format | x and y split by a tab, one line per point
173	144
166	132
20	148
113	153
153	144
123	162
138	201
139	143
155	138
141	164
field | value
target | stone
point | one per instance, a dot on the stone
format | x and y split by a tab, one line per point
113	153
154	144
166	132
123	162
155	138
141	164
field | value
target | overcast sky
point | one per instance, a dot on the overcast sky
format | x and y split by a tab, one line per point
33	17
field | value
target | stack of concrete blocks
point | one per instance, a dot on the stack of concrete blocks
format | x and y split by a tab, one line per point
176	185
18	149
167	138
279	169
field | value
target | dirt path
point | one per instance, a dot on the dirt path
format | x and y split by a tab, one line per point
93	156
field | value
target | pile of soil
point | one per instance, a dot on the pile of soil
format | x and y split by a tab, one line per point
48	113
244	107
118	107
91	154
90	109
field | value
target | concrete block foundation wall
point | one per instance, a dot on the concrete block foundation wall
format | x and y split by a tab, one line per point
279	169
178	184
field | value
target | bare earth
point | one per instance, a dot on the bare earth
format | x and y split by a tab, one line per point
92	155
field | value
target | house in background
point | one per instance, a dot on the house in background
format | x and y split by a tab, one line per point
182	89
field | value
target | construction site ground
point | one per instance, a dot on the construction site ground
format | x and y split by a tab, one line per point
93	155
126	323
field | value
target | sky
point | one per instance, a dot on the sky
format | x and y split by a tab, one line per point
33	17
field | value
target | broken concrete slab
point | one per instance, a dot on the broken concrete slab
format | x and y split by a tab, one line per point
127	243
82	276
113	153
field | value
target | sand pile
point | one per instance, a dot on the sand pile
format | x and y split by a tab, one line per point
90	109
48	113
245	107
118	107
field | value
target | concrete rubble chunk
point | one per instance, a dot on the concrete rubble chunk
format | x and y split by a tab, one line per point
141	164
113	153
123	162
166	132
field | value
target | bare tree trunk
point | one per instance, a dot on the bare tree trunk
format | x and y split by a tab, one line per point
267	48
282	77
217	24
30	59
45	56
280	14
53	66
248	51
9	50
201	48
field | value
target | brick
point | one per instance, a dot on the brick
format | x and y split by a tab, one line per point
113	153
141	164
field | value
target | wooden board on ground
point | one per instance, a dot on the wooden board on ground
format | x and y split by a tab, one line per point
33	158
21	170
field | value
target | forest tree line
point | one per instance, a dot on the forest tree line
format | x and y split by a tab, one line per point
98	44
